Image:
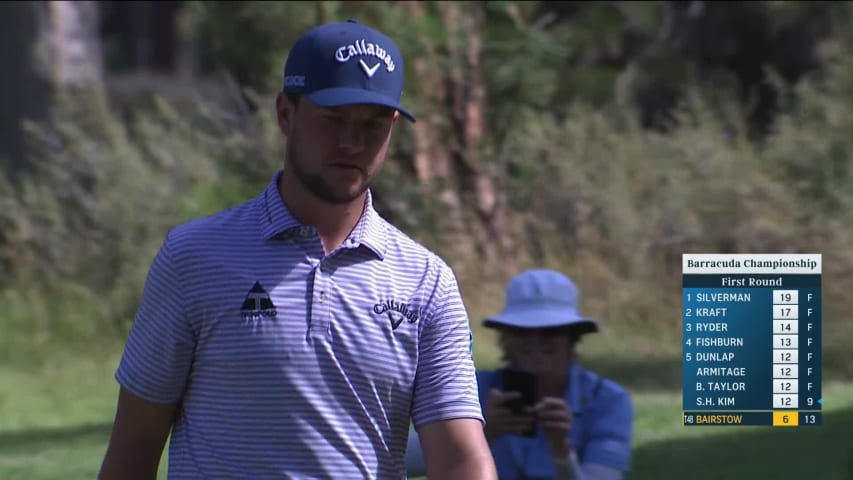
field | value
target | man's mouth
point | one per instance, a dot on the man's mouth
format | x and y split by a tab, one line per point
539	352
346	166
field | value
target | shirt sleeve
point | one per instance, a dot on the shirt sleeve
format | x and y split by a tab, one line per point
609	438
445	380
157	357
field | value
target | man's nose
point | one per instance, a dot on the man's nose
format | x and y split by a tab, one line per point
351	136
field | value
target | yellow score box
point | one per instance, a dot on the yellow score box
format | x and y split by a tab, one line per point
786	419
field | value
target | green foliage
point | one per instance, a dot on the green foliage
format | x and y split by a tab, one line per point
617	205
251	38
81	229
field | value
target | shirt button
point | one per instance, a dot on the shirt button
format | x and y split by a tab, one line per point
322	297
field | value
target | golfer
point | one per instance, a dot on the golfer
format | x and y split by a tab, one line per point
298	334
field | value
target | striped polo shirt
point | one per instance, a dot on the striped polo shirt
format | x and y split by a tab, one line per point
289	363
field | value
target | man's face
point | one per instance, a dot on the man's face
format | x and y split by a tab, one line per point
545	351
335	153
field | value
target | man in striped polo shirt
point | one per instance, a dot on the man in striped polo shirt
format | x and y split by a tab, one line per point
297	334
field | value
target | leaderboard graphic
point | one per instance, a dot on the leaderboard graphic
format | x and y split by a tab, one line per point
751	339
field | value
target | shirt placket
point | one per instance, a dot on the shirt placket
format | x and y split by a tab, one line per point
320	308
319	327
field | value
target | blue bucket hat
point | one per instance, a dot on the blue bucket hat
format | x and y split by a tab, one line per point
346	63
541	298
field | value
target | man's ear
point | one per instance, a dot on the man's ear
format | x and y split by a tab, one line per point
284	112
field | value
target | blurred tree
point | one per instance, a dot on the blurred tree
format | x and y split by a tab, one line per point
46	49
21	88
142	35
49	53
70	47
448	156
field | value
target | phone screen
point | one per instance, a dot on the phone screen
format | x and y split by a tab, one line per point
523	382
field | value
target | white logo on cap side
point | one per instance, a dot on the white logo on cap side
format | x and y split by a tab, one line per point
364	48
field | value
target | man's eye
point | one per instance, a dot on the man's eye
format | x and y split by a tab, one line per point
377	122
333	118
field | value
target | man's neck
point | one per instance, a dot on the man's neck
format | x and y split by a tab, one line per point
555	385
333	222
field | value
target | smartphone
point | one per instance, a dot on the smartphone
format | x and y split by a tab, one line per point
523	382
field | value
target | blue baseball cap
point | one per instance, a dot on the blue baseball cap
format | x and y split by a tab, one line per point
346	63
541	298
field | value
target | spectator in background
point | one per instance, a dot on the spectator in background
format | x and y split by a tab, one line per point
582	422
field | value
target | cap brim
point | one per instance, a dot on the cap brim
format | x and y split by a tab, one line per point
541	318
341	97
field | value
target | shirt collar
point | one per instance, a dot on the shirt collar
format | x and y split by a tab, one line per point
371	230
278	223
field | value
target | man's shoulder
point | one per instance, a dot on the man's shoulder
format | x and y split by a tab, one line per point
602	387
217	229
401	245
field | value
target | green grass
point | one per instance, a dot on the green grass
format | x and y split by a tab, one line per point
55	421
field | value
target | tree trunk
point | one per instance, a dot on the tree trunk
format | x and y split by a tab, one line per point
448	144
73	44
432	158
47	50
469	97
23	91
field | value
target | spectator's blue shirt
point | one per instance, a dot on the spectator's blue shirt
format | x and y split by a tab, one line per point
600	434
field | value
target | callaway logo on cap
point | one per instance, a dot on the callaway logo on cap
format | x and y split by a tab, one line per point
346	63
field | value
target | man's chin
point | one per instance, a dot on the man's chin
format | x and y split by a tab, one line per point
539	366
331	194
340	197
